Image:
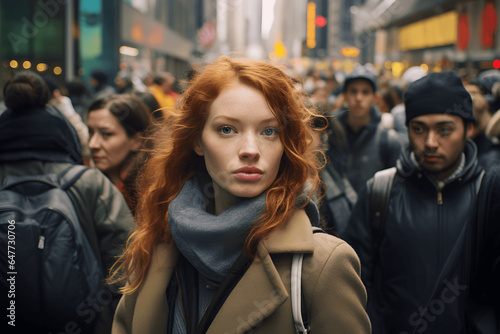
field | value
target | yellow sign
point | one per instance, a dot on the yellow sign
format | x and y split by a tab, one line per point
311	25
280	50
349	51
435	31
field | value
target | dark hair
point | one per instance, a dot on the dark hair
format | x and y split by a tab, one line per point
152	104
76	88
100	76
51	83
388	98
132	113
159	78
26	90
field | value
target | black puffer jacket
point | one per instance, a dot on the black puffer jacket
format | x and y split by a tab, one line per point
424	221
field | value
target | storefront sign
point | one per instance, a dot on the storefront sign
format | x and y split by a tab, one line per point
489	24
438	30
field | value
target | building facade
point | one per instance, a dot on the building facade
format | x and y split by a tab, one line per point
437	34
71	38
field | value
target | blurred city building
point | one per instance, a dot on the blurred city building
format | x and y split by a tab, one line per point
71	38
437	34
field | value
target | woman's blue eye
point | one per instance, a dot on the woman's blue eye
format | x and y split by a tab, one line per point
270	132
226	130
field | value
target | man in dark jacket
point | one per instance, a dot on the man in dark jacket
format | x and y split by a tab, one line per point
433	263
368	146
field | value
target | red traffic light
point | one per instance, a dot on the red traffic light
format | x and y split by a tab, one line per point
320	21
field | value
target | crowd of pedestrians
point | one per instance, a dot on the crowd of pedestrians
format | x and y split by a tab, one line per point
217	186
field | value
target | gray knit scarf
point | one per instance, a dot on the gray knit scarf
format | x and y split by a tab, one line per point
211	243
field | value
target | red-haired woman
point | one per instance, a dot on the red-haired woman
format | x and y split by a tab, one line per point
222	210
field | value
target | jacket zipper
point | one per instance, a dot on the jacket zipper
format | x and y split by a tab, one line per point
41	246
41	239
439	189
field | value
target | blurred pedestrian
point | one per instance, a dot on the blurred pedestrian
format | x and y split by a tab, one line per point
488	151
368	146
237	159
152	104
117	126
487	81
162	89
37	139
493	128
123	83
427	233
64	105
79	95
338	197
99	81
385	101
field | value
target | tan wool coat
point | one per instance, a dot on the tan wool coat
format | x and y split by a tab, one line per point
260	302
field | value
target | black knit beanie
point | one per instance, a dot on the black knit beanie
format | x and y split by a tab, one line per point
438	93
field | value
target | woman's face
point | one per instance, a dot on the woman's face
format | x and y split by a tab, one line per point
109	143
240	143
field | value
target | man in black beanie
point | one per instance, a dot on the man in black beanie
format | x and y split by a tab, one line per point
428	232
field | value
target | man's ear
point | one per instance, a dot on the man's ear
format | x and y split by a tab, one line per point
198	147
469	130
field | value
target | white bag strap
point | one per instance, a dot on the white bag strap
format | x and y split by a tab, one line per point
296	293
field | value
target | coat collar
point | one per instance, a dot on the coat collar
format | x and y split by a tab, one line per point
294	237
256	296
261	289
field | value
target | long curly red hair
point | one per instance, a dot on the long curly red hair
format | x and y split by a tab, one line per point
173	160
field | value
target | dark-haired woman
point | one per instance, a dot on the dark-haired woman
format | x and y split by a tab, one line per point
117	125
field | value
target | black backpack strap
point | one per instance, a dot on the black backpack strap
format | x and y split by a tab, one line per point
380	195
235	273
70	175
384	144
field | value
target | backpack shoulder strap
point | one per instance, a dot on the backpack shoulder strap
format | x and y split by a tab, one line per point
296	293
299	311
379	196
70	175
383	143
